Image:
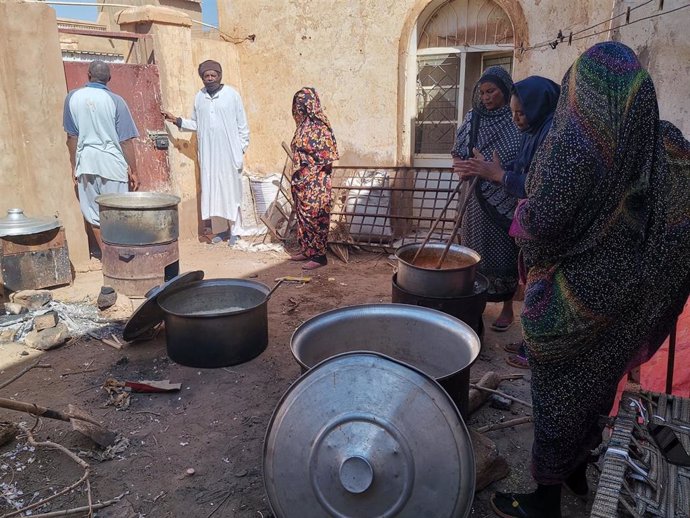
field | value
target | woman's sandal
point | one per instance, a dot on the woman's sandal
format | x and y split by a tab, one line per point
517	361
312	265
513	347
501	326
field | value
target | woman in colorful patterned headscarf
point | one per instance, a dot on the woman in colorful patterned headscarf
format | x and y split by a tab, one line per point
490	207
605	234
313	151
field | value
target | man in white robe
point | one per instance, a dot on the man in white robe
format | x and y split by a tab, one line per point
223	137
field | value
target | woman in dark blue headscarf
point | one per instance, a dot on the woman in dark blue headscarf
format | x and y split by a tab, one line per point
533	102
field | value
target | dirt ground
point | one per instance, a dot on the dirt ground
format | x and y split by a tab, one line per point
216	423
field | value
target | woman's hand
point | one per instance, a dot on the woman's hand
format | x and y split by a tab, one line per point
477	166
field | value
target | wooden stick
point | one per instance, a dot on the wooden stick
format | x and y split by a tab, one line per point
77	372
505	424
504	377
116	340
79	510
111	343
458	222
36	365
502	394
436	222
49	444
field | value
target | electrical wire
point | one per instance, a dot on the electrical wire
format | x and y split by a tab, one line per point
632	22
550	42
613	17
560	38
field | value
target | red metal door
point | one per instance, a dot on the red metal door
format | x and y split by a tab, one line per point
139	86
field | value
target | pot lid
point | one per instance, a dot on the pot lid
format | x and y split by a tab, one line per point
16	223
137	200
364	435
149	314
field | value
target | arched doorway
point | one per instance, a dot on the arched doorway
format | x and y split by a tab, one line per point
455	41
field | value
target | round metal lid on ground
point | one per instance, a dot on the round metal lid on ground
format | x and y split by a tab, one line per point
149	314
361	435
16	223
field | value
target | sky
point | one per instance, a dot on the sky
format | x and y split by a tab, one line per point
209	10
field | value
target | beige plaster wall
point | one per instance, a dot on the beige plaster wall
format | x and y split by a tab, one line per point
348	51
35	173
356	54
663	45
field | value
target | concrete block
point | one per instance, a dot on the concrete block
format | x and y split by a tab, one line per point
48	338
46	321
32	299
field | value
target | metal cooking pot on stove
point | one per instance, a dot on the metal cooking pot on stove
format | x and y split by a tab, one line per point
217	322
139	218
455	277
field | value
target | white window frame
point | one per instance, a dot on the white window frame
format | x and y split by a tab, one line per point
444	160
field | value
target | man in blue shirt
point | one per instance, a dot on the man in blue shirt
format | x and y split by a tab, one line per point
100	139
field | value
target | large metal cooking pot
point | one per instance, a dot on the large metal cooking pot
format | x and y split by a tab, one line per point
438	344
217	322
454	278
138	218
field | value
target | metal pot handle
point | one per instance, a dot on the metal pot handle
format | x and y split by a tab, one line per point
274	288
126	257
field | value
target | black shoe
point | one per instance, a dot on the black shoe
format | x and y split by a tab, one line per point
576	483
106	298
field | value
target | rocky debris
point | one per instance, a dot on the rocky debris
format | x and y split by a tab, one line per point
106	298
8	431
489	464
47	338
12	308
120	310
499	402
46	320
8	335
32	299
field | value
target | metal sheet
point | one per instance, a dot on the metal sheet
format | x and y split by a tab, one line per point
36	270
363	435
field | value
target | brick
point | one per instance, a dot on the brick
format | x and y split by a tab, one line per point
46	321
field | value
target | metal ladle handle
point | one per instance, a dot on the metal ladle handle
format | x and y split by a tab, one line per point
274	288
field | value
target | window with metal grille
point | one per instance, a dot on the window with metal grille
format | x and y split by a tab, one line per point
444	95
437	103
